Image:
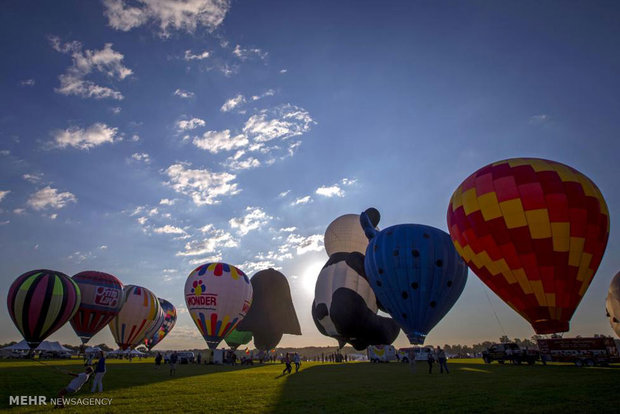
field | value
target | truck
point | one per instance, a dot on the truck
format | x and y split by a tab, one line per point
580	351
511	352
419	353
381	353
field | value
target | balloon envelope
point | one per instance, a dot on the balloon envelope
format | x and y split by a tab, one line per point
218	296
612	304
169	320
237	338
140	310
272	313
345	234
416	273
534	231
101	300
40	302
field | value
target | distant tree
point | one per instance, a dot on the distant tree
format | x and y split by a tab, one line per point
504	339
104	347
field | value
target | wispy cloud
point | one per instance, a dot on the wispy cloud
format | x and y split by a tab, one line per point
254	219
244	54
33	178
183	15
302	200
201	185
3	194
27	82
168	229
185	125
216	141
335	190
94	135
539	119
49	197
232	103
214	240
141	156
183	94
189	56
106	61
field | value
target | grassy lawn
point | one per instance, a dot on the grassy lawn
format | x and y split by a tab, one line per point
472	386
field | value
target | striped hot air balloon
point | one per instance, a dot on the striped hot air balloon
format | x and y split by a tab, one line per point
102	299
218	296
40	302
140	310
169	319
534	231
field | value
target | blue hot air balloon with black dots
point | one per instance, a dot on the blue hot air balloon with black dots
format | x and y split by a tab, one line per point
415	272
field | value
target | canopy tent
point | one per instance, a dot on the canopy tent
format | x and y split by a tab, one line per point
52	347
92	350
20	346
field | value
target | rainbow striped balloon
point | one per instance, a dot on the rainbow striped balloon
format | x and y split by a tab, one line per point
40	302
170	318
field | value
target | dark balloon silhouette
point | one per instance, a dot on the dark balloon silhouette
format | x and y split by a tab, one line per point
345	307
272	313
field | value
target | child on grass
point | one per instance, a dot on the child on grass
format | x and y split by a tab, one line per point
75	384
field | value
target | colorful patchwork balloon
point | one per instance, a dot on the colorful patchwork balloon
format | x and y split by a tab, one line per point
218	296
102	299
416	274
169	319
140	310
237	338
534	231
40	302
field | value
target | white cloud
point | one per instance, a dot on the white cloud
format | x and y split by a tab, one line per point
245	164
5	222
193	123
49	197
94	135
33	178
539	119
283	70
4	194
167	202
203	186
116	110
331	191
183	94
216	141
106	61
214	241
282	122
254	219
232	103
19	211
141	156
53	216
244	54
135	138
269	92
5	152
200	56
254	266
302	200
27	82
284	193
288	229
142	220
168	229
103	247
303	244
185	15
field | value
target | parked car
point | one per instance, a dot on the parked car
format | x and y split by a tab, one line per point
510	352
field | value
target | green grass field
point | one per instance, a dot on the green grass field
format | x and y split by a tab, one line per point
472	386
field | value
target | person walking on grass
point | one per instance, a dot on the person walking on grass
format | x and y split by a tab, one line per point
288	368
431	361
74	386
297	361
443	361
173	363
99	373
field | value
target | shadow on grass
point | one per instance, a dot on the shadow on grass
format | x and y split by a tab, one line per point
470	387
47	378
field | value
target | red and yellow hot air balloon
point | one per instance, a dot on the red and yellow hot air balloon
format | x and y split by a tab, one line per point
140	310
534	231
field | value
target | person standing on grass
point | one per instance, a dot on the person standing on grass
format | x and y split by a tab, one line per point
99	373
173	363
443	361
297	362
431	361
158	359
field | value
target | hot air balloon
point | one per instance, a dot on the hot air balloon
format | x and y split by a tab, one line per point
140	310
612	304
218	296
272	313
102	299
237	338
534	231
345	307
415	272
169	319
345	234
40	302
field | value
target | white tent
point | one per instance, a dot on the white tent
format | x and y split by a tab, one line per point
20	346
52	347
92	350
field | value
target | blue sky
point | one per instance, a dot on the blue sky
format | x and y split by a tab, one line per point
140	139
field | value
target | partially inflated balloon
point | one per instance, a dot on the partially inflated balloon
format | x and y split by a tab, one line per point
40	302
345	234
155	326
612	304
534	231
218	296
345	307
169	319
272	313
416	274
140	310
237	338
102	299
